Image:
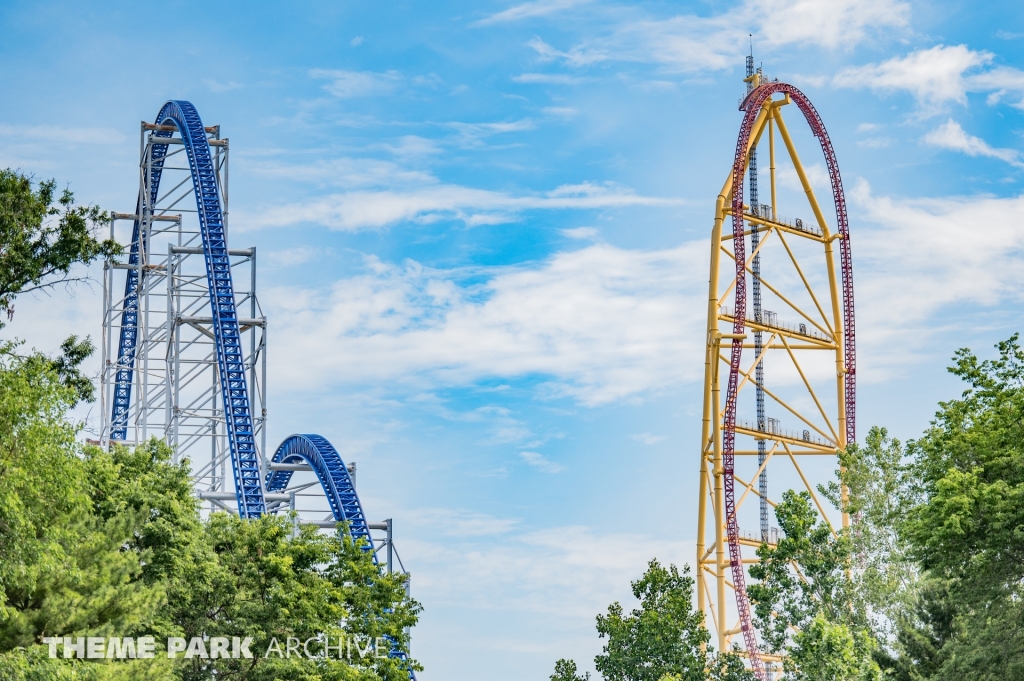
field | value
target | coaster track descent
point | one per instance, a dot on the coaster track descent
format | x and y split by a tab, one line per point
823	325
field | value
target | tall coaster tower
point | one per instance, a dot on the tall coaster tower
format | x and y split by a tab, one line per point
798	317
184	345
160	359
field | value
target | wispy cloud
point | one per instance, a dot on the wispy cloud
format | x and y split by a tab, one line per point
527	10
289	257
565	572
352	172
831	24
462	523
951	136
648	438
561	111
923	258
537	460
62	133
473	134
356	210
938	76
345	84
602	323
588	233
218	87
689	43
548	79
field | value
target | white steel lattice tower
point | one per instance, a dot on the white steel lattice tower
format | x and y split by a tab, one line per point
165	384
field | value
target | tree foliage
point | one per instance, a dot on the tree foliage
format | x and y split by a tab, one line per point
110	543
932	567
42	237
664	638
967	533
813	614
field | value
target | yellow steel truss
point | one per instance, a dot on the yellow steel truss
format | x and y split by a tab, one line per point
821	328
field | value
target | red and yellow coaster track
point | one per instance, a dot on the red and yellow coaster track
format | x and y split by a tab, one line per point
826	323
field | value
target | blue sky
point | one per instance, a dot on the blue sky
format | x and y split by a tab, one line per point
483	235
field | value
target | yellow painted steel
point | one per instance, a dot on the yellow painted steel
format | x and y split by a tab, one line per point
821	327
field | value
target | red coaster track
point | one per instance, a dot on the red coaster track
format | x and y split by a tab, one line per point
751	105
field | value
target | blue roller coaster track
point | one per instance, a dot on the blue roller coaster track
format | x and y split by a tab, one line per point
313	450
245	463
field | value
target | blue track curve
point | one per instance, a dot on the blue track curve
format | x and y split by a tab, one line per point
245	463
311	449
325	461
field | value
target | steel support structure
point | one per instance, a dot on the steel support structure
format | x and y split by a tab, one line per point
161	373
810	290
184	347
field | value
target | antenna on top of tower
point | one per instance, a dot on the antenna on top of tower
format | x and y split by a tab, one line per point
750	65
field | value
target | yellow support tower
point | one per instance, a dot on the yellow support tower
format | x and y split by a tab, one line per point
805	338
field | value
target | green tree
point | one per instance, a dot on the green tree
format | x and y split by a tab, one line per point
665	637
565	670
63	569
110	543
270	580
967	533
881	493
814	614
42	237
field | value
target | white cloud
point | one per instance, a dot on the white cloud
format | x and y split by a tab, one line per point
62	133
357	41
537	8
357	210
548	79
473	134
561	111
537	460
603	323
353	172
934	76
924	257
691	43
409	146
816	174
569	572
951	136
462	523
938	76
825	23
648	438
589	233
289	257
1001	81
347	84
875	142
218	87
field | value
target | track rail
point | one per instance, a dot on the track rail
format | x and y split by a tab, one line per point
315	450
751	105
245	464
130	314
330	470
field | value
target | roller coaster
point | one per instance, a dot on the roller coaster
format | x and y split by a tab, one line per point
824	325
182	368
187	367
